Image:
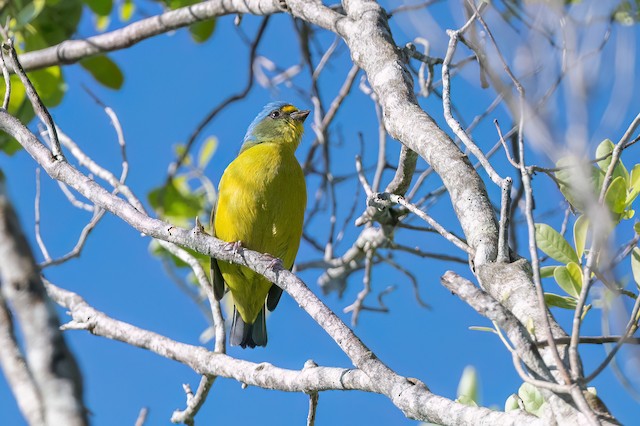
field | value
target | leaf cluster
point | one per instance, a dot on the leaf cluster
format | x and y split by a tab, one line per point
619	197
38	24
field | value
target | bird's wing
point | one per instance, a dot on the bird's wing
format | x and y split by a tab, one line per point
273	297
216	276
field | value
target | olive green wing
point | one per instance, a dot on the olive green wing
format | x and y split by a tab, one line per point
216	276
273	297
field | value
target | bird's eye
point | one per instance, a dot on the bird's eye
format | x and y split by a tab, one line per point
275	114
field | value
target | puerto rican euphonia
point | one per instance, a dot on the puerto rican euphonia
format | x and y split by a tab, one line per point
261	202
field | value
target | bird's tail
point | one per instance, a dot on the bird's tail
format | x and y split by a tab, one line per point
252	335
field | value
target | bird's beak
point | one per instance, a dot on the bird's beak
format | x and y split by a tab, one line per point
300	115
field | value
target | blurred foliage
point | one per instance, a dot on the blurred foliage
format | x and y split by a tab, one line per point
37	24
468	388
624	12
627	12
201	31
619	196
189	194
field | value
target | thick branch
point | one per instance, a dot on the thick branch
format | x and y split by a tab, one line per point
409	124
488	307
417	399
52	366
16	371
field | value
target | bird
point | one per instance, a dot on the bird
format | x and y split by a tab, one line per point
261	202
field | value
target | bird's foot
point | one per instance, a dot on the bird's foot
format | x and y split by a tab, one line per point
274	262
235	246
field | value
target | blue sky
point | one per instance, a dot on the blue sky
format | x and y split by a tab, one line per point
170	84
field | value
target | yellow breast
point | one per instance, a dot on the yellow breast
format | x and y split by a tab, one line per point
261	202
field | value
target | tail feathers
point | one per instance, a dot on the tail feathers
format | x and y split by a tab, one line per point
252	335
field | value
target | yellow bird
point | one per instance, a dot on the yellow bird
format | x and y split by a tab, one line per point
261	201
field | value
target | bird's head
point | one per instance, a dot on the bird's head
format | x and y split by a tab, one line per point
278	122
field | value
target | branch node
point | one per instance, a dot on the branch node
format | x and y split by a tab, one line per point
198	229
75	325
309	364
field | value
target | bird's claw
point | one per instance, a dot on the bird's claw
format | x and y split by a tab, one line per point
275	263
235	246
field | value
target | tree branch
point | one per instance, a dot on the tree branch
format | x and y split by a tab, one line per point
53	368
415	397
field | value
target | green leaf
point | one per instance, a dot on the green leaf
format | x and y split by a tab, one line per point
127	9
564	302
104	70
157	250
468	386
575	272
18	93
465	400
100	7
175	4
176	202
29	13
102	23
568	177
636	228
564	176
58	22
207	150
9	145
635	265
554	245
547	271
20	108
624	14
569	278
512	403
580	229
201	31
585	310
180	150
605	149
616	195
532	399
479	328
634	184
50	85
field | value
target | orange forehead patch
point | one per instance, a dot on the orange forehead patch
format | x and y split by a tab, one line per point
289	108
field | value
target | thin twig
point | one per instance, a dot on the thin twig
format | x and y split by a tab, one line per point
363	180
594	340
43	247
425	254
73	200
412	278
574	357
632	326
173	167
382	150
446	99
504	145
384	198
7	81
313	406
357	306
142	416
34	98
526	180
505	207
82	239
